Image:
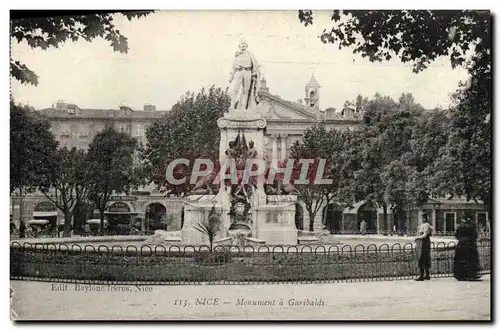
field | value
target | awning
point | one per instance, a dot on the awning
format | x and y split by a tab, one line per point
37	222
96	221
45	214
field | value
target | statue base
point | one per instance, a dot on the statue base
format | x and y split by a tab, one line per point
196	210
243	114
248	122
275	221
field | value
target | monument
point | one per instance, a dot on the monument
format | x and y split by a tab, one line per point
247	212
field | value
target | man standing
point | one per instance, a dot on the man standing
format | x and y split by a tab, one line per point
244	78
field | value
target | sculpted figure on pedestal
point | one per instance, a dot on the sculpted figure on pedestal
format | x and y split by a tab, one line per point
244	79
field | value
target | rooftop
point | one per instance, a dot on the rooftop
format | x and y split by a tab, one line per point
101	114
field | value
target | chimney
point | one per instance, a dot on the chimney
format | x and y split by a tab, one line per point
149	107
125	108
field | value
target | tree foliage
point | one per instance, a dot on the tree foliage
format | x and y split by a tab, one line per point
400	144
414	36
111	167
462	166
323	148
190	131
67	184
47	32
31	147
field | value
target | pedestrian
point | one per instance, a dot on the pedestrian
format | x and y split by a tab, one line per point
362	227
466	261
86	229
22	230
12	228
423	248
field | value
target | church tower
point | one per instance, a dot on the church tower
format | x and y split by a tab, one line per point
312	93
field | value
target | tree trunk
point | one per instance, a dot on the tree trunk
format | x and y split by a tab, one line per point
101	226
312	215
325	216
20	204
67	224
384	208
407	223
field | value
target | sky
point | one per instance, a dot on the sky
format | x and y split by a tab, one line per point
172	52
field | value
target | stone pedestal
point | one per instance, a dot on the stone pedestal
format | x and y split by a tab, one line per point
272	218
196	209
247	121
274	222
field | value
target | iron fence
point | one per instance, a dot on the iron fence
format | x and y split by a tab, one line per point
101	264
54	233
485	234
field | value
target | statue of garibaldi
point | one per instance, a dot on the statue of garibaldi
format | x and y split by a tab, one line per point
244	79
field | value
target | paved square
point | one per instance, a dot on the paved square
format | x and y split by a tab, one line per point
438	299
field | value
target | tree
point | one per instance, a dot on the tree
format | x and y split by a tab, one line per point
416	36
67	184
189	132
110	167
31	148
361	103
464	164
383	172
419	37
319	145
46	32
430	135
340	168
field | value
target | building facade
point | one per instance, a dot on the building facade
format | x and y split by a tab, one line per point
75	127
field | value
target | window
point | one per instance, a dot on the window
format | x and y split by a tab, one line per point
450	221
139	130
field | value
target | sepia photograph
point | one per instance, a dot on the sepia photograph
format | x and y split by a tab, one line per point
276	165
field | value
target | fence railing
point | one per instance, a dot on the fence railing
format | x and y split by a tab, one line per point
55	233
47	233
401	233
228	264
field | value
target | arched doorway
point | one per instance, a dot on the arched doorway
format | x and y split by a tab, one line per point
156	217
332	217
299	216
46	211
119	216
368	213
